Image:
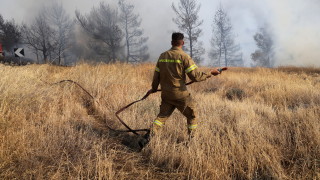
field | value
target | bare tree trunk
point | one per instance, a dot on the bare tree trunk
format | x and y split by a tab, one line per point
225	55
220	52
59	56
190	43
127	40
37	57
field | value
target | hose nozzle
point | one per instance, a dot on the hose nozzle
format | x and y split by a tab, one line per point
222	69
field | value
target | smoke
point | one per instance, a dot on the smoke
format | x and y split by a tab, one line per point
296	30
294	24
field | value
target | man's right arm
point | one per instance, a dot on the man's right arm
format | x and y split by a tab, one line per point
191	69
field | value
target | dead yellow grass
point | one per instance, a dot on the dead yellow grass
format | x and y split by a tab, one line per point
53	131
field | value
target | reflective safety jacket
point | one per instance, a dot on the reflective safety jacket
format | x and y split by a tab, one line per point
171	70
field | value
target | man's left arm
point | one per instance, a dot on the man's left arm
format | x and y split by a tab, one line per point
156	79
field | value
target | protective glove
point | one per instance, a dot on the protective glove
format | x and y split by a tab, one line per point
218	71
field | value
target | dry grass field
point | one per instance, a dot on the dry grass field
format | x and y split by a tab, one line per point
255	123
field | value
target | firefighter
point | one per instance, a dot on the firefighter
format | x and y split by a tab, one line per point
170	72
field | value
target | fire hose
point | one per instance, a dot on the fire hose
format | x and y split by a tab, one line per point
134	131
127	106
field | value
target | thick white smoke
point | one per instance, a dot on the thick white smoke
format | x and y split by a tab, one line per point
294	24
296	29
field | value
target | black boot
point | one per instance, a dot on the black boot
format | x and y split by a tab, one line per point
144	140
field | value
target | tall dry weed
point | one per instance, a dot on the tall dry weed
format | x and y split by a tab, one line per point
58	132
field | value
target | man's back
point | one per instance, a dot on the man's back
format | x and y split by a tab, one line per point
171	70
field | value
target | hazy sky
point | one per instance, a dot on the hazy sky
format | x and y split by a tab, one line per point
295	24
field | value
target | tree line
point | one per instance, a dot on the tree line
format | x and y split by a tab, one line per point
109	34
114	33
224	50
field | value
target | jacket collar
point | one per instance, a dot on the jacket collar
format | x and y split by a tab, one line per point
176	48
